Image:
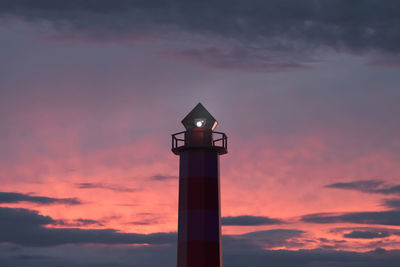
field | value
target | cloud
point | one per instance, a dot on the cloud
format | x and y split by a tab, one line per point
392	203
363	186
12	217
246	220
267	238
378	217
331	23
116	188
143	222
390	190
270	27
160	177
12	197
241	58
308	258
367	234
152	256
32	244
367	186
26	227
79	222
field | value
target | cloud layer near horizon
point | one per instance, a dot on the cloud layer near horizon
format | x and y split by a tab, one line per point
239	250
28	228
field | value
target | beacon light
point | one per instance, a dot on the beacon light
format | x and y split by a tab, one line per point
200	122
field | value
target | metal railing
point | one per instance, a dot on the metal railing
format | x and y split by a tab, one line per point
219	140
223	140
176	141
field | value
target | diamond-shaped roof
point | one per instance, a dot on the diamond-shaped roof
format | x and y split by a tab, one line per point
199	112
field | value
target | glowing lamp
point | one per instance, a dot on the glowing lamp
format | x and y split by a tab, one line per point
200	123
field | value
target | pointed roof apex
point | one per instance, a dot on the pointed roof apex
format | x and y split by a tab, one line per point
199	116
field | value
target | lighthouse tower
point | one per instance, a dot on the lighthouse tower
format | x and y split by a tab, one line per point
199	219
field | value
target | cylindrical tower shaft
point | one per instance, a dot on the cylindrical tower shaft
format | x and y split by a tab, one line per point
199	223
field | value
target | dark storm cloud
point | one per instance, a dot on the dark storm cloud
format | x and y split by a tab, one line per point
257	31
26	227
246	220
367	234
111	187
378	217
367	186
12	197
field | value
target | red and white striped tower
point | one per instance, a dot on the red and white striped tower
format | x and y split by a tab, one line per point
199	222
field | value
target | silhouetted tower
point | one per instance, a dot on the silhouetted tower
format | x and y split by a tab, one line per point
199	222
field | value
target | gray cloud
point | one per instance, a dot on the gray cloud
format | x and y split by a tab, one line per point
242	58
392	203
267	238
246	220
368	186
160	177
309	258
367	234
34	245
257	31
26	227
87	256
390	190
11	217
363	185
12	197
378	217
79	222
152	256
111	187
331	23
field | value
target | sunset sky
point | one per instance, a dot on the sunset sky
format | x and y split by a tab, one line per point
307	91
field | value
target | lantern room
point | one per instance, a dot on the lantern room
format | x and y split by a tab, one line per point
199	125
